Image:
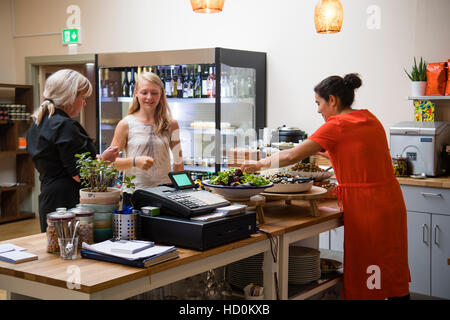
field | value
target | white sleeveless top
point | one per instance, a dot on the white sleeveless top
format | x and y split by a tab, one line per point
142	141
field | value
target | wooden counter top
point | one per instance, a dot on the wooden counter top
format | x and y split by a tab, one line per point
439	182
98	275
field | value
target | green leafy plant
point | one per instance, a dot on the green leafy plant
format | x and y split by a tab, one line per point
418	72
97	175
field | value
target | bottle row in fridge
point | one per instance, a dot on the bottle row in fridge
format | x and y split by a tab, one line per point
180	81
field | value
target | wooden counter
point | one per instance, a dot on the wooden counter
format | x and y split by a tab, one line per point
439	182
49	276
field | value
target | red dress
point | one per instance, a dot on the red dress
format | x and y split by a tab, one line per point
375	227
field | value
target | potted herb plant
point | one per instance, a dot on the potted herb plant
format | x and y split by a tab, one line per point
418	77
97	176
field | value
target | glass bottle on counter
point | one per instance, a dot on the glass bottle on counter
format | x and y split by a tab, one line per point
125	84
85	231
60	216
185	84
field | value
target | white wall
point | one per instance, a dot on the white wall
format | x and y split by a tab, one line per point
7	61
298	58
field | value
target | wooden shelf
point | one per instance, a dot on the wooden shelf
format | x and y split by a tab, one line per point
21	216
10	131
305	291
429	98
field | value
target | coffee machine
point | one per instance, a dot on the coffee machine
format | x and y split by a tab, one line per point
423	144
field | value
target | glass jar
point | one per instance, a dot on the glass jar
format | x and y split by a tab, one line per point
400	165
86	228
58	219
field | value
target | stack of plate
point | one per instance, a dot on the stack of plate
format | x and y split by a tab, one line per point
246	271
304	265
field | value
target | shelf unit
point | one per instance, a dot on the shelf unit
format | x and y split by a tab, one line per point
12	197
429	98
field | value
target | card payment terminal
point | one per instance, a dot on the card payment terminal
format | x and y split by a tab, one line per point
183	200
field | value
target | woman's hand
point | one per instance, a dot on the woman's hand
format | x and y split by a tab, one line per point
144	162
110	154
251	166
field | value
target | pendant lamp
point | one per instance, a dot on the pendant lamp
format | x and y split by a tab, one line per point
328	16
207	6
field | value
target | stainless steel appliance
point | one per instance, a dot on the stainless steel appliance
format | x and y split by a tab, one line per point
423	144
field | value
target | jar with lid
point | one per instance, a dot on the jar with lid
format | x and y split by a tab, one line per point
400	165
56	222
86	228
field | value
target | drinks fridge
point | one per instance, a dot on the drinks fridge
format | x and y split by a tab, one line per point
217	95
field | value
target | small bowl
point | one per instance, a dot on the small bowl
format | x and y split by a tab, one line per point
318	176
239	193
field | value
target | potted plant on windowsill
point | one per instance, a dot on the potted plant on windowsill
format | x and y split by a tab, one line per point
96	176
418	77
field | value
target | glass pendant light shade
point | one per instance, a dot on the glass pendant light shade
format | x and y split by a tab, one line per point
207	6
328	16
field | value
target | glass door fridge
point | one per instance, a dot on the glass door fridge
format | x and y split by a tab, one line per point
217	95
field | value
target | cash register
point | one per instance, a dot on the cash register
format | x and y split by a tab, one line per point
182	208
182	200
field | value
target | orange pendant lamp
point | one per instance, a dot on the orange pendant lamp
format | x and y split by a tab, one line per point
207	6
328	16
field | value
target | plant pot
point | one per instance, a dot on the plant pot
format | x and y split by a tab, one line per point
104	204
418	88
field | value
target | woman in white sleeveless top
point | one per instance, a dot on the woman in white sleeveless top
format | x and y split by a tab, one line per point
147	133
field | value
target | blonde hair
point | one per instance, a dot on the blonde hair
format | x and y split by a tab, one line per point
162	112
60	91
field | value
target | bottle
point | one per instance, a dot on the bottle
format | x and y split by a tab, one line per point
174	83
205	82
210	84
161	76
139	71
180	83
104	83
168	87
185	84
198	83
132	84
125	84
191	85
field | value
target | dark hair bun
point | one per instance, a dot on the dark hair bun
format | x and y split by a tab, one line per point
352	81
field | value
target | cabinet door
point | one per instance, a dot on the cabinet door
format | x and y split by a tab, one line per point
324	240
440	252
419	251
337	239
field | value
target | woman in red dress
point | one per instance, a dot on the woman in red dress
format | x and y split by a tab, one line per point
375	237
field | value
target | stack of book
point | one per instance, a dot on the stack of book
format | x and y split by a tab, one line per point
15	254
134	253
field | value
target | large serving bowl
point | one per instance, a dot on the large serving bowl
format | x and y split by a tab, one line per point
238	193
318	175
291	187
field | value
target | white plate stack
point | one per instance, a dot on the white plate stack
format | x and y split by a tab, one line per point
304	265
246	271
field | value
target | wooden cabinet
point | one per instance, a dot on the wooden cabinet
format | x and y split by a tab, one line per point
428	239
17	170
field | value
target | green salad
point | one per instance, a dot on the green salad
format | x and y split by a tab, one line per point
235	177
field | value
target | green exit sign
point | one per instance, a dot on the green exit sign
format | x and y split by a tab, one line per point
70	36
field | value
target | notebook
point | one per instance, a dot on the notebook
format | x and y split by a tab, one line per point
130	246
16	256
